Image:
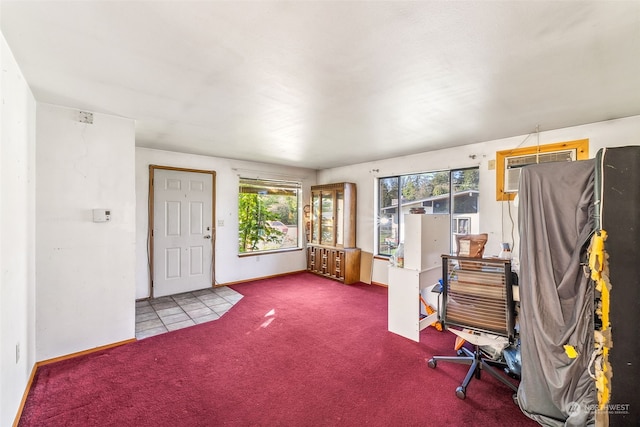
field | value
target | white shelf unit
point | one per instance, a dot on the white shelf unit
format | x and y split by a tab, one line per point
405	288
427	237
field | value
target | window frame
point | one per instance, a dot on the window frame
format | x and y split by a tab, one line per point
381	219
457	222
251	185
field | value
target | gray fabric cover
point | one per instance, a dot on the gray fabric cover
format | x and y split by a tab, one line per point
556	298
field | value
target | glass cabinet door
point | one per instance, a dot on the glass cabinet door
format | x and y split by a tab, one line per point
339	218
315	218
327	227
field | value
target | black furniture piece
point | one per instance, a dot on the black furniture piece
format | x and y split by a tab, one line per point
618	194
478	307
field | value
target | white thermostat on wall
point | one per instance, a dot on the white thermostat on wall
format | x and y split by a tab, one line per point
101	215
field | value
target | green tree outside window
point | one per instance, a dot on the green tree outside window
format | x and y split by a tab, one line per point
267	215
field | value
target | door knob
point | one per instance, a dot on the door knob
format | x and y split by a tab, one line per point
208	236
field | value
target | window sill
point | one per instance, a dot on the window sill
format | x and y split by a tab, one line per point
275	251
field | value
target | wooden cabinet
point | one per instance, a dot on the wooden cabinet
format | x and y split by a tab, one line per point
333	215
331	251
334	263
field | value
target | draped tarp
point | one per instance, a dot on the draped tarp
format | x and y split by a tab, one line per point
556	297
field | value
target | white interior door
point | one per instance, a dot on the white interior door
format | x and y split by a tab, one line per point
182	231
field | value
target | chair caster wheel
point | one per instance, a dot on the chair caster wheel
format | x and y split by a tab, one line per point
432	363
460	393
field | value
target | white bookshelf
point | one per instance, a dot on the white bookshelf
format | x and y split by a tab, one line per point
405	287
427	237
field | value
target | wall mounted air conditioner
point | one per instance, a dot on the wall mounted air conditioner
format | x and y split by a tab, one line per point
510	162
512	165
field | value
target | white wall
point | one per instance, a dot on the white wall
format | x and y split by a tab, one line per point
494	215
85	293
17	231
229	266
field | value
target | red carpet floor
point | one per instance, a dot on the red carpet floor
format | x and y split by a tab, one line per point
295	351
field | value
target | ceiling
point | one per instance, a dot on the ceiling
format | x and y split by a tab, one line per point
321	84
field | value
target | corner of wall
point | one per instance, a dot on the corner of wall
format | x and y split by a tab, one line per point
17	227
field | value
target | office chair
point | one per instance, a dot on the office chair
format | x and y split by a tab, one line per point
477	305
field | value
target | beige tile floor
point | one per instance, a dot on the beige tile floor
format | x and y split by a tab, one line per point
159	315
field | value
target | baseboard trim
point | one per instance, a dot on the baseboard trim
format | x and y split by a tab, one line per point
261	278
24	396
380	284
222	285
58	359
82	353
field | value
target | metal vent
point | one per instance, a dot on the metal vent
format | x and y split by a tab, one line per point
512	165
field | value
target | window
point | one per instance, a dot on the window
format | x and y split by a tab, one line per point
460	225
267	215
426	193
